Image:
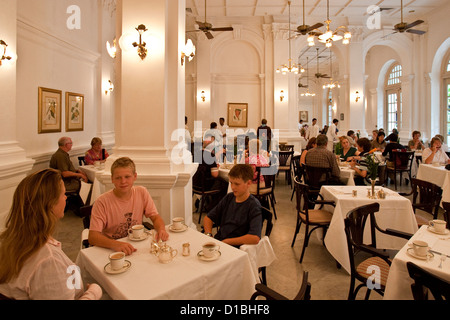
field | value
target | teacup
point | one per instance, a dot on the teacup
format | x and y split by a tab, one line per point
97	164
210	249
177	223
438	225
420	247
436	164
136	231
117	260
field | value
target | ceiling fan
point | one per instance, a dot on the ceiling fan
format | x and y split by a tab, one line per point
403	26
207	27
318	74
305	29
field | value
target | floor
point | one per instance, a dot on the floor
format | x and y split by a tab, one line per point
283	275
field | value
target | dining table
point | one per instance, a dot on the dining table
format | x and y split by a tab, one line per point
398	285
437	174
229	275
395	212
91	172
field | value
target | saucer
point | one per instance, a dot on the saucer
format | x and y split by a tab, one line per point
184	228
411	253
111	271
202	257
144	236
430	228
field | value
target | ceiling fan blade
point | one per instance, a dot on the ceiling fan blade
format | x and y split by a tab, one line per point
316	34
209	35
293	37
193	31
222	29
200	24
316	26
388	35
416	31
415	23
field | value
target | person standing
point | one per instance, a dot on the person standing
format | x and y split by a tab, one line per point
332	134
264	134
313	130
222	127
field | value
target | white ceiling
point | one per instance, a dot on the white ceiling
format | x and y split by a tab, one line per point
222	13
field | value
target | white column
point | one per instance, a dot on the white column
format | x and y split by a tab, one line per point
14	165
356	115
150	105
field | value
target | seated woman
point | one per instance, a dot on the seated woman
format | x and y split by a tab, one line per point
379	144
33	265
257	157
415	144
435	154
358	163
96	153
347	150
311	144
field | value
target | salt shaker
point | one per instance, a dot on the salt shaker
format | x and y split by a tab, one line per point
186	249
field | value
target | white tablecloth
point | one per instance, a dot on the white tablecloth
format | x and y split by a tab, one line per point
437	175
398	286
261	254
347	175
97	187
395	212
231	276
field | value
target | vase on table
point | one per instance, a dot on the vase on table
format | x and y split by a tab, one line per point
372	182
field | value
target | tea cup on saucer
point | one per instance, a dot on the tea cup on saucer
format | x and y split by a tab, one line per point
438	225
136	231
420	248
117	260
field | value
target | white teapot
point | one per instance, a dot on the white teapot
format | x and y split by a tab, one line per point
166	254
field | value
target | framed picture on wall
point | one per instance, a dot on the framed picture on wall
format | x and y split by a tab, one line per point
237	114
49	110
74	111
303	115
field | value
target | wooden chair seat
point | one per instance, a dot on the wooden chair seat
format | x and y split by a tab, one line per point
318	216
365	269
284	168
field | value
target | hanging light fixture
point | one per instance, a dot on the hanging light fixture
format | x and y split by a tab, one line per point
112	49
332	84
341	33
4	57
290	67
307	93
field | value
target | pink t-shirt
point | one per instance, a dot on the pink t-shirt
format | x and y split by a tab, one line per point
113	216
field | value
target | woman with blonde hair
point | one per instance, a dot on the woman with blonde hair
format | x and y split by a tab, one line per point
33	265
96	152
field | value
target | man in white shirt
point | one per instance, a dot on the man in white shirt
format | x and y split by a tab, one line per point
222	127
313	130
332	134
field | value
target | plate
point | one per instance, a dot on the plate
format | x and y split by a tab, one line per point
411	253
446	231
202	257
144	236
111	271
184	228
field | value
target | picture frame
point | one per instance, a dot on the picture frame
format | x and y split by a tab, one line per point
49	110
303	115
237	114
74	111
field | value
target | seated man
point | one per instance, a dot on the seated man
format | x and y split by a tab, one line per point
392	145
117	210
60	160
321	157
238	214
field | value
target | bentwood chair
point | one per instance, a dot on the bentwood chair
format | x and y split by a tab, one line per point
265	194
285	160
202	191
304	293
426	197
267	221
315	218
355	223
446	206
425	282
81	161
297	171
402	161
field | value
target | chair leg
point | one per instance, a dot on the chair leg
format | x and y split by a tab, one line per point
273	206
293	192
297	229
305	243
202	201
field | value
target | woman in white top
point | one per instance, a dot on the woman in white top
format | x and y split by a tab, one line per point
435	154
332	134
33	265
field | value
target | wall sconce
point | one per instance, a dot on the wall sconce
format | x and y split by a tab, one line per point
112	50
357	96
142	50
281	95
109	87
4	56
188	51
203	96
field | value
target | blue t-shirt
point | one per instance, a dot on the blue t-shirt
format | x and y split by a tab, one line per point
237	219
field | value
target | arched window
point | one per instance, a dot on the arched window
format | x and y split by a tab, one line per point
393	98
446	107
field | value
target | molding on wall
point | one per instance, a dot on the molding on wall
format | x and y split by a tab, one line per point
30	31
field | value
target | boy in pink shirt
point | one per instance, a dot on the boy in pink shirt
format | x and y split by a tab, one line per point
117	210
